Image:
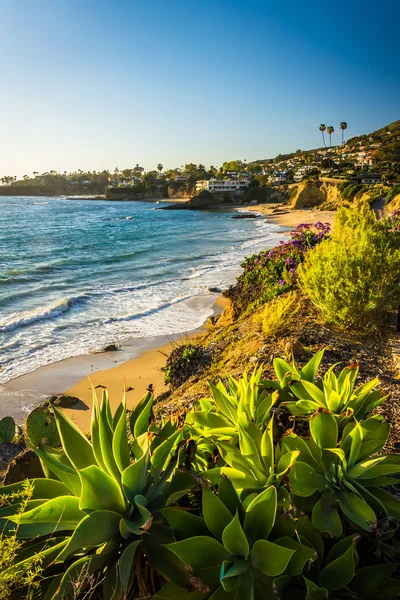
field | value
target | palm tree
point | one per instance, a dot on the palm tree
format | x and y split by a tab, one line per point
343	126
322	129
329	131
160	167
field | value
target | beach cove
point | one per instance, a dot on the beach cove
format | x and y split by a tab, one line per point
140	360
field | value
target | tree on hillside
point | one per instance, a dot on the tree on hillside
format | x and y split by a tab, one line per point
160	167
322	129
138	170
343	126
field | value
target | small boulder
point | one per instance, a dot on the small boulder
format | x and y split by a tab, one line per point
111	348
66	401
26	465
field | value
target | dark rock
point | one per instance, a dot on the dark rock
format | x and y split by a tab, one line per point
111	348
66	401
245	215
203	200
61	401
7	453
215	290
176	206
26	465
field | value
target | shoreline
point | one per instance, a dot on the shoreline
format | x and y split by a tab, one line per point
139	361
69	377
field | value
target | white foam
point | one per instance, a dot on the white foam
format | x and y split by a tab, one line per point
27	317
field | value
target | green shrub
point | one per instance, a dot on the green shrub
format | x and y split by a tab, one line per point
354	276
279	314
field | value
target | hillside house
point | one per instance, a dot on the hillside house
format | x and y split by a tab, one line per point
222	185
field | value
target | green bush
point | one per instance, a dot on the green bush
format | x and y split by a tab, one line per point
354	276
279	314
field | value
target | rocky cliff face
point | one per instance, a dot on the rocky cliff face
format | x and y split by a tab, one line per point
393	205
327	195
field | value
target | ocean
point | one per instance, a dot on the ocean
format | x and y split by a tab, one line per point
77	275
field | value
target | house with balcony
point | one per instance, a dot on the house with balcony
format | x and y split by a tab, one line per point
222	185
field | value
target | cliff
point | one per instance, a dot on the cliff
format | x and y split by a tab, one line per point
330	194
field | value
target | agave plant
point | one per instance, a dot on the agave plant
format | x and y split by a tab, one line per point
343	476
302	395
98	502
219	416
228	549
253	465
336	574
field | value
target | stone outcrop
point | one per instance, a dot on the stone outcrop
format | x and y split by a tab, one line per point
203	200
307	195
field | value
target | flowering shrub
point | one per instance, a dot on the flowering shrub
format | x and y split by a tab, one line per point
273	272
393	221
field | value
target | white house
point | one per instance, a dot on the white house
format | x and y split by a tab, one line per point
222	185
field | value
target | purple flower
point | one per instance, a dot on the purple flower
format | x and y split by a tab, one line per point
281	282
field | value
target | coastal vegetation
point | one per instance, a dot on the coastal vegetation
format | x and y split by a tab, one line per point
267	471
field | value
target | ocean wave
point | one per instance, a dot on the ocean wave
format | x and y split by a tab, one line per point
255	242
27	317
146	313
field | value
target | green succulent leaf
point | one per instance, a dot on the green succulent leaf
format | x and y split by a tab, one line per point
216	515
75	444
100	491
200	552
184	524
309	371
270	558
260	515
66	473
63	513
389	501
162	452
41	488
120	446
134	477
126	565
302	555
314	592
170	591
225	406
338	573
305	480
325	516
234	538
357	510
370	580
140	415
94	529
324	430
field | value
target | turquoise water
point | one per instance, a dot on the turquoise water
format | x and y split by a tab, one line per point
76	275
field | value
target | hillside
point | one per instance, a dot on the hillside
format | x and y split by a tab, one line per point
383	136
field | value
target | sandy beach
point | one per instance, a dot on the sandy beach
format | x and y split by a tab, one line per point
291	218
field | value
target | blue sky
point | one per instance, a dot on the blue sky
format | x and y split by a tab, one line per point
96	84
